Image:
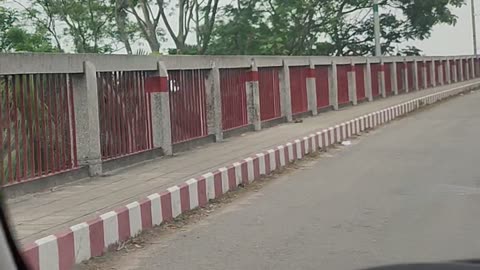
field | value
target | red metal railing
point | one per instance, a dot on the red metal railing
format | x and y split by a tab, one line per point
37	124
125	114
234	98
342	82
410	71
375	68
400	81
188	108
298	89
360	81
388	79
321	79
269	87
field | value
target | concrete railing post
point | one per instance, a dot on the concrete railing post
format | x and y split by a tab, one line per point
285	94
461	70
424	74
455	71
466	71
312	89
253	98
433	73
475	67
352	84
381	79
415	76
448	70
393	77
333	83
87	119
472	68
214	104
405	76
368	80
441	76
157	86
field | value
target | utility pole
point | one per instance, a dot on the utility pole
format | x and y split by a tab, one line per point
376	19
474	28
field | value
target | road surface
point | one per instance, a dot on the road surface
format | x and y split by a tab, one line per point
408	192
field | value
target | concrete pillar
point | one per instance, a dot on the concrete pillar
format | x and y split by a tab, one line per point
368	80
214	104
472	68
441	76
253	98
415	76
405	76
381	79
433	73
454	70
285	95
424	74
462	72
333	83
475	67
352	84
312	89
448	72
467	67
393	77
87	119
157	85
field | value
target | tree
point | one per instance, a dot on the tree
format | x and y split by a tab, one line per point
147	20
89	24
121	19
351	26
41	14
287	27
14	38
328	27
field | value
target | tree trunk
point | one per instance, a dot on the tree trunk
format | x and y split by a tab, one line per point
121	19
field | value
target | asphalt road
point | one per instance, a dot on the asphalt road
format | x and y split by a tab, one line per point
406	193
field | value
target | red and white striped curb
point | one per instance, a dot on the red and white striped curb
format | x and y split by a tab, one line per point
93	238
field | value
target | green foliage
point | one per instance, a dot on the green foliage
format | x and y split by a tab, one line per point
329	27
261	27
14	38
88	22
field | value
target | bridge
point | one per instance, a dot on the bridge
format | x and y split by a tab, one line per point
98	148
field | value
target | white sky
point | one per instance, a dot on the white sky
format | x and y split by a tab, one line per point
445	40
452	40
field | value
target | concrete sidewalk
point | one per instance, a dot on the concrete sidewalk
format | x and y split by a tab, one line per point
38	215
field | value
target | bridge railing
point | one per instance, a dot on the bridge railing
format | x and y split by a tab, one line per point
61	113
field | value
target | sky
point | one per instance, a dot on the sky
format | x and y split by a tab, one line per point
445	39
452	40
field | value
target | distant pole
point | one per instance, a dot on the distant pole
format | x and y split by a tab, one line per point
474	29
376	19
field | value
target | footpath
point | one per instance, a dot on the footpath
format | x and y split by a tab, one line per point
38	215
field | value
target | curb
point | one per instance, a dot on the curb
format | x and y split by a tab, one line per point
94	237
